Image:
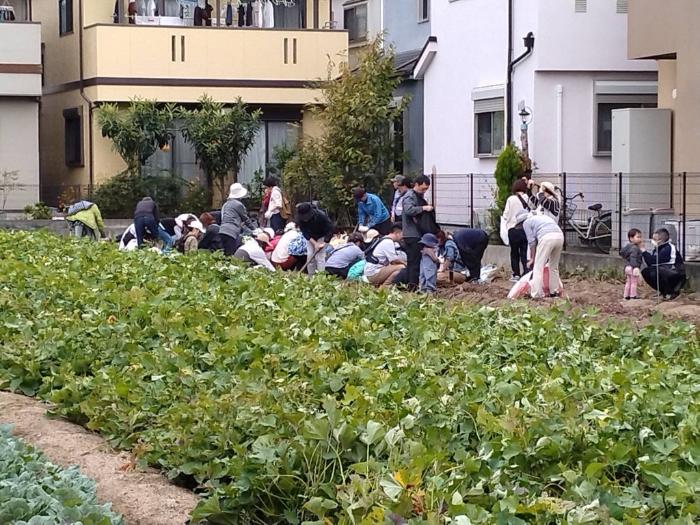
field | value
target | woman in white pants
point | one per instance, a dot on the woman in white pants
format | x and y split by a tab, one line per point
546	241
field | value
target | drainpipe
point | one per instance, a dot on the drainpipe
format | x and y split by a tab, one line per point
91	105
560	128
529	42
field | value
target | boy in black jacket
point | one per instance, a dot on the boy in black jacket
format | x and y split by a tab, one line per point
665	269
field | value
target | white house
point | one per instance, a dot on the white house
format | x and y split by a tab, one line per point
576	73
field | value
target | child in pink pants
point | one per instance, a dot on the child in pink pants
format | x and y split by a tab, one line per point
632	254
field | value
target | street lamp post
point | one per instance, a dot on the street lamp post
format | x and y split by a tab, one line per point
525	117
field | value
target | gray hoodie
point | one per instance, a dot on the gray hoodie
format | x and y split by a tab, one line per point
632	255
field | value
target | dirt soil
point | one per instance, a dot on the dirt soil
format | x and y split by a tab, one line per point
605	296
142	497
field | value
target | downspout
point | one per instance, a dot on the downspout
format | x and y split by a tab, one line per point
560	128
91	105
529	42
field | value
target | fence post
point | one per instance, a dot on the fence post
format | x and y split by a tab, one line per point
471	200
685	194
563	189
619	212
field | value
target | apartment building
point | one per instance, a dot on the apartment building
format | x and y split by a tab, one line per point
568	70
98	51
20	93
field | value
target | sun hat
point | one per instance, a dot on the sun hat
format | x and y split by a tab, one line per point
270	232
429	240
263	238
196	225
304	211
290	226
237	191
549	187
371	235
521	216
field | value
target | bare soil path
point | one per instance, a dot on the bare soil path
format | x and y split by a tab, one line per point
142	497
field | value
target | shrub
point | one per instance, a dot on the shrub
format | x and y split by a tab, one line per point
38	211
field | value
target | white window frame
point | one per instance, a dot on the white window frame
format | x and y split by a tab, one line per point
421	18
620	92
488	99
352	7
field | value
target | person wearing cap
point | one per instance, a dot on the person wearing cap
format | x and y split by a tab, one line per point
546	201
371	212
400	188
317	229
192	237
414	208
343	257
546	241
281	257
429	263
234	219
252	250
383	260
471	243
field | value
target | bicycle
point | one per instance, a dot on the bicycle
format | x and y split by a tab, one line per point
597	229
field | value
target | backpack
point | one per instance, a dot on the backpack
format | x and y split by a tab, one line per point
286	210
369	252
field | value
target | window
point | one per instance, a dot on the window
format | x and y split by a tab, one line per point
423	10
65	17
355	21
489	119
73	136
604	116
580	6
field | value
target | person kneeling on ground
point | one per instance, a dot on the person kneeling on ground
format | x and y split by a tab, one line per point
86	220
371	212
252	251
341	259
472	244
428	264
452	269
193	236
383	261
546	242
211	240
665	271
282	256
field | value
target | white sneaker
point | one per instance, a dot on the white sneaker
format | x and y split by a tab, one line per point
514	279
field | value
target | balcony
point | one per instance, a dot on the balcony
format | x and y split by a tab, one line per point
188	59
20	59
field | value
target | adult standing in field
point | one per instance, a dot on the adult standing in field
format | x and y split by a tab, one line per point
85	218
146	219
234	219
546	200
517	240
275	206
471	243
371	212
546	241
383	262
418	218
401	184
317	229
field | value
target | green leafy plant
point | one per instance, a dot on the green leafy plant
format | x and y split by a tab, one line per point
35	491
38	211
357	146
221	135
136	131
509	168
310	401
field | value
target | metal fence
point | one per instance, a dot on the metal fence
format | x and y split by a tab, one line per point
599	208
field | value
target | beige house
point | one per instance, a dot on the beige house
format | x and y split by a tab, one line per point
98	51
20	92
668	32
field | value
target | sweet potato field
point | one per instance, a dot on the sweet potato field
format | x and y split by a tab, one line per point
281	399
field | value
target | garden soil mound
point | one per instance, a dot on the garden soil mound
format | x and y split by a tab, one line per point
142	497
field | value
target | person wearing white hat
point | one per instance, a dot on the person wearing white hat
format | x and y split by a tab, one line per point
546	201
252	251
234	219
192	237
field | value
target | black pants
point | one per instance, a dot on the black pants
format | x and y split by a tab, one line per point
384	228
231	244
277	222
471	257
518	250
670	281
339	272
143	224
413	256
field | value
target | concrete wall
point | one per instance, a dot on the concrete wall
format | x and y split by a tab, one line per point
20	54
402	27
413	126
19	152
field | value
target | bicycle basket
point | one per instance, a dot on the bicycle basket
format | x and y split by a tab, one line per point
569	211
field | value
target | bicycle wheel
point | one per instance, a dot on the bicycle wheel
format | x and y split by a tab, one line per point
603	236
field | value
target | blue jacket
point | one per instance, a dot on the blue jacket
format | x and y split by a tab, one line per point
372	211
667	255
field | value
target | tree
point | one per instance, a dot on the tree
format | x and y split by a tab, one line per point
357	147
137	131
221	136
509	168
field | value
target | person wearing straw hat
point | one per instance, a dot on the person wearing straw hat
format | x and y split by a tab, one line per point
234	219
192	237
546	201
252	250
317	229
